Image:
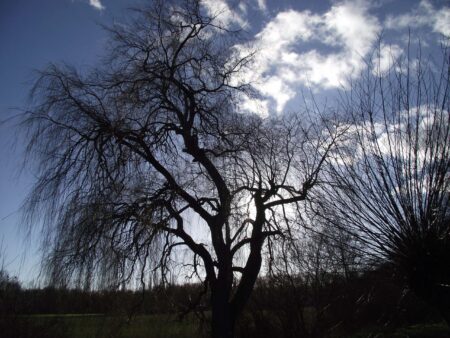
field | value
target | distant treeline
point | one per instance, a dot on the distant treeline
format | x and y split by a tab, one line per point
50	300
281	305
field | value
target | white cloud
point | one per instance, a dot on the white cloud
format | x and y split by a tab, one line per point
442	23
243	7
387	55
262	5
423	15
96	4
350	24
224	14
279	89
256	106
285	58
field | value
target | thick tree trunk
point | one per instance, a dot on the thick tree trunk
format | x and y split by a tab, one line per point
222	325
224	309
222	317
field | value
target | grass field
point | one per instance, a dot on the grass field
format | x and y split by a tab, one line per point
100	326
430	330
161	326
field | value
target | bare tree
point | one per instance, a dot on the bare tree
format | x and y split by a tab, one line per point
389	182
149	154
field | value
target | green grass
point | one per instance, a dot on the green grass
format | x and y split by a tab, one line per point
66	315
426	330
99	326
161	326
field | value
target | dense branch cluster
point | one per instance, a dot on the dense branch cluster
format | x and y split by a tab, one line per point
389	182
131	152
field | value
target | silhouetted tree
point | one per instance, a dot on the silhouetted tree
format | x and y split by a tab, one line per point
149	154
389	182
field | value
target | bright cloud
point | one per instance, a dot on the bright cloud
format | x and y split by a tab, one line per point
319	50
96	4
351	25
256	106
262	5
424	15
224	14
387	55
283	61
277	85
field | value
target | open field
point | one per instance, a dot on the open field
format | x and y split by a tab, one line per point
100	326
161	326
428	330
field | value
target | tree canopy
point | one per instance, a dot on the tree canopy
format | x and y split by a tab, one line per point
149	154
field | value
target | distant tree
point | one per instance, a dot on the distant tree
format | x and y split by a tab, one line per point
389	183
9	293
149	154
7	282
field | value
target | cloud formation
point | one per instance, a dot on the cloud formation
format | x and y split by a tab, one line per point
386	57
320	50
224	14
96	4
288	49
423	15
262	5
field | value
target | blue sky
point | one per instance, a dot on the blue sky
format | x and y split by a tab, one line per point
319	45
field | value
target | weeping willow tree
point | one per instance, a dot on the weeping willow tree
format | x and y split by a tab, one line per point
148	156
389	182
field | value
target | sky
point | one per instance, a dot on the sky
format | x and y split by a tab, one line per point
316	46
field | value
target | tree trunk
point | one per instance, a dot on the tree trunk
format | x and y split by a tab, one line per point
224	309
222	318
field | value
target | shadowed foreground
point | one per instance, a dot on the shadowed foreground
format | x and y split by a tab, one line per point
163	326
77	326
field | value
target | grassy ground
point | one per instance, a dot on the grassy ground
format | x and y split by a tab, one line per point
99	326
427	330
160	326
